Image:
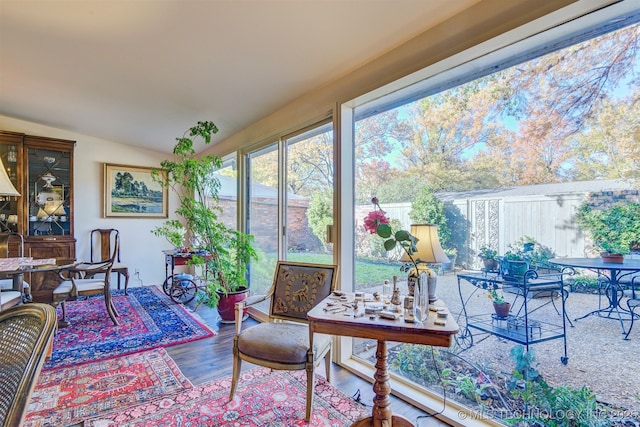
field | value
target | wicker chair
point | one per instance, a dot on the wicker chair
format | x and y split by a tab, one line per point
26	336
285	342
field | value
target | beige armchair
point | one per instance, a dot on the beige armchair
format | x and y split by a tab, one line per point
284	342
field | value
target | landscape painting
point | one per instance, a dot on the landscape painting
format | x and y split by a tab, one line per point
130	192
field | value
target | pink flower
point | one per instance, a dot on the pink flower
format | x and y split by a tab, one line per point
373	219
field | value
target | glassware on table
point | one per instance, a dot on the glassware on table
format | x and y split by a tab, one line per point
421	299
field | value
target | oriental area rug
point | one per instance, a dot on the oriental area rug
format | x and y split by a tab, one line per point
148	319
66	396
263	398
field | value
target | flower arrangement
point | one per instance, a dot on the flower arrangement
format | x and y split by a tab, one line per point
496	297
377	222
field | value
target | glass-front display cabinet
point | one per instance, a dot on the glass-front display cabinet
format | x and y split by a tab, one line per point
10	205
49	182
41	169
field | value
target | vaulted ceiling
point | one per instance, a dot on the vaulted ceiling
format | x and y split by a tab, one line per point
136	71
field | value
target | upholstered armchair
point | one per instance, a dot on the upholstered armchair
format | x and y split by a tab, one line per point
284	342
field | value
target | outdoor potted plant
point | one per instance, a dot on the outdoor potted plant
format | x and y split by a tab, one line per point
612	252
452	254
488	255
500	306
514	264
223	251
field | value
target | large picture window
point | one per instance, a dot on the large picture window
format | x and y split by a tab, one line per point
501	151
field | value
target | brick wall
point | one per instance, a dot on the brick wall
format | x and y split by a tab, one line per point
264	225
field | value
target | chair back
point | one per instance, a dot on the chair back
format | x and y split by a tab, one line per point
298	287
111	260
106	238
26	333
6	246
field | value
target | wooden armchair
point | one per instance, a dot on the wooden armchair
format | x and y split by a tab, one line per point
26	336
284	342
86	279
107	238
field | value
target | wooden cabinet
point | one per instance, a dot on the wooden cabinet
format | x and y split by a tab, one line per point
41	169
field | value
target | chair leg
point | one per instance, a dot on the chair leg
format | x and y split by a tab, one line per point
237	362
327	365
310	387
633	316
126	282
110	308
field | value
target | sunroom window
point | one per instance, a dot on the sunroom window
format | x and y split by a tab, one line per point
503	149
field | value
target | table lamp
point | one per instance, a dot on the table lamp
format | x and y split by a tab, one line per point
428	250
6	186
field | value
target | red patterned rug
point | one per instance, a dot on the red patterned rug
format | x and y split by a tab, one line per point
66	396
148	319
263	398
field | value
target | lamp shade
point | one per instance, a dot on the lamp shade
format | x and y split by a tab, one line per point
6	186
427	245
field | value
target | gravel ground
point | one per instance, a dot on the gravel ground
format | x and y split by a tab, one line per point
599	357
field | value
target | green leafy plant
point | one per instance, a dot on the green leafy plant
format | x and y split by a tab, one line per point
197	188
496	297
614	229
173	231
487	252
550	406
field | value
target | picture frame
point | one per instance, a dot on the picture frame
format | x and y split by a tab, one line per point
130	192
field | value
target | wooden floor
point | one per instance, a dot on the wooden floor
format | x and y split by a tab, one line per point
208	359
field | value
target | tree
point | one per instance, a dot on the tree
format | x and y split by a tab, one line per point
426	208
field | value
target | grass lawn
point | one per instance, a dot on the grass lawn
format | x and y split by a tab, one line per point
368	273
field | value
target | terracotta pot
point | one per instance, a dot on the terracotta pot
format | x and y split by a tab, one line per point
502	310
614	258
227	304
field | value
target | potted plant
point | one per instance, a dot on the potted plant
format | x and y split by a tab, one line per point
614	229
226	252
488	255
452	254
514	264
500	306
612	252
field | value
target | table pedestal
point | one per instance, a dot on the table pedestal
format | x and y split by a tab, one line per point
381	414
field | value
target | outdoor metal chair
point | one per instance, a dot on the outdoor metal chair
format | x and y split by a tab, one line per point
284	342
633	302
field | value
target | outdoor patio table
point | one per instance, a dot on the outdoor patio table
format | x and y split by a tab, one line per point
613	272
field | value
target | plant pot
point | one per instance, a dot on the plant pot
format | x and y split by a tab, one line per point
447	266
490	264
502	310
515	269
227	304
613	258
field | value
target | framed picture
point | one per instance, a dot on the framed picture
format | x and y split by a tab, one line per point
129	191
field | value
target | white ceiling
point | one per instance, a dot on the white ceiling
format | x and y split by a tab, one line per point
141	72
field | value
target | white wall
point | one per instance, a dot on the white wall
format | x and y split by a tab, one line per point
139	247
